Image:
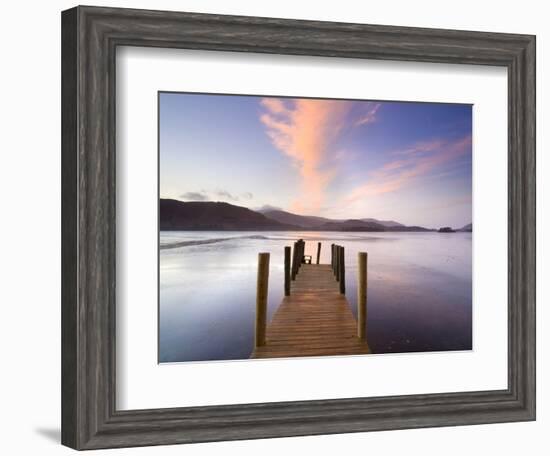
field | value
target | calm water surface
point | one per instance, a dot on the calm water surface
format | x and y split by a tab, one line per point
419	289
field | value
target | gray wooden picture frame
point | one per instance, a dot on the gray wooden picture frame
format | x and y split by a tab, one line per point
90	36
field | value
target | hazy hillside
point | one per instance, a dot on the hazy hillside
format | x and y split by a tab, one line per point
218	216
403	228
320	223
466	228
214	216
351	225
326	224
303	221
387	223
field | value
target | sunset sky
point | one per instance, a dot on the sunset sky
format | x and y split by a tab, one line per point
408	162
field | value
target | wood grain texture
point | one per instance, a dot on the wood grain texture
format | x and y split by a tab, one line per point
362	284
89	40
262	285
315	320
69	233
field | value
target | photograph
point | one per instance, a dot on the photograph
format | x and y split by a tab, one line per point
295	227
274	222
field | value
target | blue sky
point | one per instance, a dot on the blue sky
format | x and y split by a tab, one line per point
409	162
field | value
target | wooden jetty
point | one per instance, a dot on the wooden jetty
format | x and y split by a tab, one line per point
314	318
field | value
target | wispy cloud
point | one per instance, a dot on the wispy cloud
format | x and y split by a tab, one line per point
306	131
268	207
222	194
369	116
274	105
194	196
412	164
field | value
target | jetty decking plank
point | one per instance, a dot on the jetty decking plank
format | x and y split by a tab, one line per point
315	320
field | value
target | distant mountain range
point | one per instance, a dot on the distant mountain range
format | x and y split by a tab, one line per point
350	225
219	216
214	216
325	224
466	228
386	223
313	222
301	221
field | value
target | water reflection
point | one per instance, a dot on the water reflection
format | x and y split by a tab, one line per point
419	289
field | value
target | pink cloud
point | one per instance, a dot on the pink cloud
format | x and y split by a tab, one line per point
274	105
418	161
306	130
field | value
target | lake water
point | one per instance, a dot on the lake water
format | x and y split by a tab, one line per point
419	289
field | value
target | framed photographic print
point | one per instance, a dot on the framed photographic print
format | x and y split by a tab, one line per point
278	228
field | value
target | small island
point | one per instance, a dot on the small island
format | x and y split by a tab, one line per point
446	229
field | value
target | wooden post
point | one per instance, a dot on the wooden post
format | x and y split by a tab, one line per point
332	257
362	295
342	271
334	260
299	258
294	260
337	262
261	298
318	252
287	271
